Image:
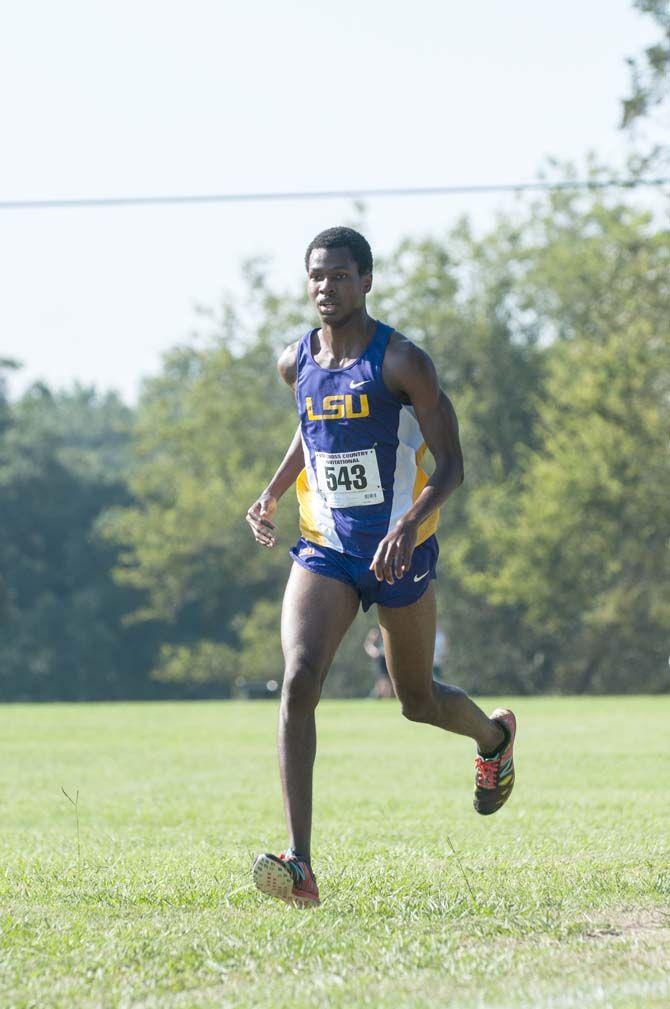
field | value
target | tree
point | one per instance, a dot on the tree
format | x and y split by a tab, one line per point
212	428
457	298
210	431
62	462
650	73
578	537
538	329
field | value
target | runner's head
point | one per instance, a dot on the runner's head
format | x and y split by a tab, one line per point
339	273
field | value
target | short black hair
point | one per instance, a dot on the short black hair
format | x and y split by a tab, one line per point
347	238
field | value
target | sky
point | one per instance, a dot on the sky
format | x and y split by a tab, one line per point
134	98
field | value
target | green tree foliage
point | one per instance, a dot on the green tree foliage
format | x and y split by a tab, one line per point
210	431
458	298
649	73
550	334
62	462
577	537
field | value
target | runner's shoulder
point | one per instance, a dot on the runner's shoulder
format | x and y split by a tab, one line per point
287	364
405	363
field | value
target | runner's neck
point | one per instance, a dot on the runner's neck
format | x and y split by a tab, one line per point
339	345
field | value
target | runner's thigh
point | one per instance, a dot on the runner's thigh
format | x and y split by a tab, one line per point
316	614
409	643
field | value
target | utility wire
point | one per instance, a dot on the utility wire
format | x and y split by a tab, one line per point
325	194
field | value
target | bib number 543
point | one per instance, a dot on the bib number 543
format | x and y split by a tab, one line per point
350	477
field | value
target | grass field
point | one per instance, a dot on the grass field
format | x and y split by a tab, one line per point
571	881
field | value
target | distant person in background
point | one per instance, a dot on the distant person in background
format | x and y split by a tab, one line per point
374	647
440	652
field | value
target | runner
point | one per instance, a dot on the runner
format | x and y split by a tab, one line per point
369	404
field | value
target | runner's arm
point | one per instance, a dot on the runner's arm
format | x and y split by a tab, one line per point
259	514
411	374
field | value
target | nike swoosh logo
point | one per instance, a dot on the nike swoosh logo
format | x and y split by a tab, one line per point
418	578
355	385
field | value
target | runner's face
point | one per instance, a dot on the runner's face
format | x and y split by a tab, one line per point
335	286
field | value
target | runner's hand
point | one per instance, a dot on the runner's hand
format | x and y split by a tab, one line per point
258	518
393	556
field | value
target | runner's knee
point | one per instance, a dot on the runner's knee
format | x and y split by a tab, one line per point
302	685
416	705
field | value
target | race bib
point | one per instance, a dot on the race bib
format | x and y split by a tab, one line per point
347	479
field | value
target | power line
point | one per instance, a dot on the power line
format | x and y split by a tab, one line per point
324	194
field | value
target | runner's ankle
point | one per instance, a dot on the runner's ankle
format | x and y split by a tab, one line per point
489	754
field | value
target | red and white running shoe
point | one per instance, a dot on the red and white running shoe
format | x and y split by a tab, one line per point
494	776
288	877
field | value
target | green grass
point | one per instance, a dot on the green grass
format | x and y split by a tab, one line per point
571	880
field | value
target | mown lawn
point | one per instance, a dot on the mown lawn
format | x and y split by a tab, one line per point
570	903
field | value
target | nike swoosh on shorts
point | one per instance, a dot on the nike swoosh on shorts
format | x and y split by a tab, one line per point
418	578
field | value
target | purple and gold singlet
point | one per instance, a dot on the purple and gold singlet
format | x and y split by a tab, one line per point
362	451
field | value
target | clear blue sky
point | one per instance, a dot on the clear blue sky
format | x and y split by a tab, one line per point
126	98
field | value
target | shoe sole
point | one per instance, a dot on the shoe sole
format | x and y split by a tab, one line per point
275	880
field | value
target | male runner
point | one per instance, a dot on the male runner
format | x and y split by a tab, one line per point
369	404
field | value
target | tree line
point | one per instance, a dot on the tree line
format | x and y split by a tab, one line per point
127	570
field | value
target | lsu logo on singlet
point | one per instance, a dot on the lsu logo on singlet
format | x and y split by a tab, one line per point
338	407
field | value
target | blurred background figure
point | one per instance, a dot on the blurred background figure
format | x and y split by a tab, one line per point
374	647
441	648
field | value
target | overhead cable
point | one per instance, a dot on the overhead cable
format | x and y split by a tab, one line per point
326	194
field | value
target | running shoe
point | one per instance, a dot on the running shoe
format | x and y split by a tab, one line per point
494	776
288	877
